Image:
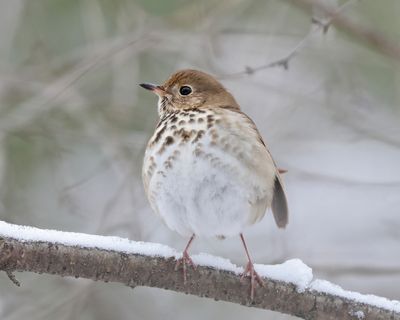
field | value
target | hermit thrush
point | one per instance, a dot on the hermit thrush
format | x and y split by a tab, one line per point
207	171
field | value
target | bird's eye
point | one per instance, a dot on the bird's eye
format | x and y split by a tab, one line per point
185	90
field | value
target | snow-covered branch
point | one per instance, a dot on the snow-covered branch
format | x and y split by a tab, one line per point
289	287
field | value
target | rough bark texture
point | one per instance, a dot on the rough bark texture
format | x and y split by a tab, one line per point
138	270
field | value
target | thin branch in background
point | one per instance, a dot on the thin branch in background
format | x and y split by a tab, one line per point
367	35
99	168
93	65
284	62
45	100
12	277
324	25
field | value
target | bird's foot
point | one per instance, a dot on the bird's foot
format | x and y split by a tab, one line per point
184	260
251	272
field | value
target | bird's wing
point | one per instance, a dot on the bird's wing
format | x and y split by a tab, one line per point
279	204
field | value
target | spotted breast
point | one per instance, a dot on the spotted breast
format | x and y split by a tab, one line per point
208	172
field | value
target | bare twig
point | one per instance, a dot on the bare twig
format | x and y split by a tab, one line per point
284	62
365	34
12	277
378	41
145	270
45	99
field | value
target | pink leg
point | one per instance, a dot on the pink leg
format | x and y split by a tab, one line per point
250	271
185	259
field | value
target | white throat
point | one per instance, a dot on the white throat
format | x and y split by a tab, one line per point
159	105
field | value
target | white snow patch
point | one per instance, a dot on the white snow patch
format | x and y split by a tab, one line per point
26	233
293	271
358	314
330	288
204	259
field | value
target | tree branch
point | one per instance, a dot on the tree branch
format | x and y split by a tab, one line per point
138	269
334	17
321	26
367	35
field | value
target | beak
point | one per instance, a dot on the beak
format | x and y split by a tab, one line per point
158	90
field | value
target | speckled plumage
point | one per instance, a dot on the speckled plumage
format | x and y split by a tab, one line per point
207	171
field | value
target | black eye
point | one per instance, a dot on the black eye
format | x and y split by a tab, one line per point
185	90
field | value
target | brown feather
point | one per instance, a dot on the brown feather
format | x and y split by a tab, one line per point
218	111
279	204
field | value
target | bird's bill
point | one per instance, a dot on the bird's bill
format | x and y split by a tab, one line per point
154	88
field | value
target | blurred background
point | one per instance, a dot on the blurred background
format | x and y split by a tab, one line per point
74	125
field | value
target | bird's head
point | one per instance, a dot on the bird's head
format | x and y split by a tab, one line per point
188	89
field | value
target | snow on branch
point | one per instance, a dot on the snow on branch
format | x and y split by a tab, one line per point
289	287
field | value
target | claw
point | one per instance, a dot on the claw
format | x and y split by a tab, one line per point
184	260
254	276
250	272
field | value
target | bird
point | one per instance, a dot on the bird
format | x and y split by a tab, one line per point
207	172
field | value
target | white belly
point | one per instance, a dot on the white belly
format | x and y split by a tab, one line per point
200	188
195	197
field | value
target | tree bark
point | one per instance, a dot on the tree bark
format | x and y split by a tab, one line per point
141	270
